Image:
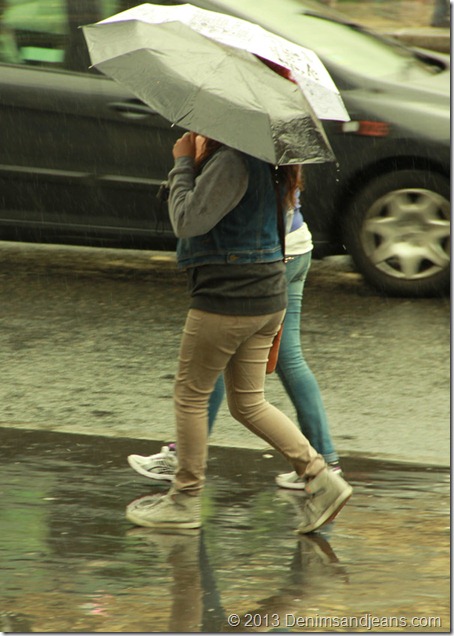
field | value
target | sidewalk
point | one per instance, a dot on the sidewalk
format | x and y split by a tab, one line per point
93	337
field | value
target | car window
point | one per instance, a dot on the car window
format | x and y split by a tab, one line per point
47	33
38	32
356	49
325	31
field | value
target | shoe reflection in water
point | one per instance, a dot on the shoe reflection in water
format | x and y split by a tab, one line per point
312	569
315	560
314	556
196	604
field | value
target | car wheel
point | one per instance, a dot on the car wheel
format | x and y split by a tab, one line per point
397	230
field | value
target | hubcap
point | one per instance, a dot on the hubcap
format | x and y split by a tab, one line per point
406	233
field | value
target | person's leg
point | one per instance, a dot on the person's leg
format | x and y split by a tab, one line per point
293	370
245	379
201	362
211	344
240	345
162	466
202	359
327	492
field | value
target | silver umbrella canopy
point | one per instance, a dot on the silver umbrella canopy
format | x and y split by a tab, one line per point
304	64
210	88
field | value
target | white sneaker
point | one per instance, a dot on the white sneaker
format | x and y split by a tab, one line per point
294	482
290	480
160	467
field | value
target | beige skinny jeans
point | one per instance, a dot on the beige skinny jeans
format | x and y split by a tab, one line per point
237	346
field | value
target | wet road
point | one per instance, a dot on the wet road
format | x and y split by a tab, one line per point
89	342
88	346
72	563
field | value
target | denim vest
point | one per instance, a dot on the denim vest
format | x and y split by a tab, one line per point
247	234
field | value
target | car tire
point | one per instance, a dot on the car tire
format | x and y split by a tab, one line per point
397	231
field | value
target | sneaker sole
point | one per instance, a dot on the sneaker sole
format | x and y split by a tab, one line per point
301	485
329	514
289	485
144	473
138	521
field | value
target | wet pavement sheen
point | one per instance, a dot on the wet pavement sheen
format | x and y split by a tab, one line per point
89	344
71	562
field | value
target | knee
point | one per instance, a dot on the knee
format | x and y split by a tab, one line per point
187	395
244	408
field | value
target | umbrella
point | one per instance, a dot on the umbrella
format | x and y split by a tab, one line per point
217	90
305	66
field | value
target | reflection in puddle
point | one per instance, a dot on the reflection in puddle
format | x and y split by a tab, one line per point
72	563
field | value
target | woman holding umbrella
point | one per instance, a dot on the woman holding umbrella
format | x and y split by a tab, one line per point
224	211
294	372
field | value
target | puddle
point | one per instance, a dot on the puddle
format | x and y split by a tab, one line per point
72	563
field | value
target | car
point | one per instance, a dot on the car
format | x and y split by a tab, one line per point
82	159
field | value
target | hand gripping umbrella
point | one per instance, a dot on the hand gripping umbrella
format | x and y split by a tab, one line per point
217	90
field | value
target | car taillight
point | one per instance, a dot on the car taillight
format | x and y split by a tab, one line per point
366	128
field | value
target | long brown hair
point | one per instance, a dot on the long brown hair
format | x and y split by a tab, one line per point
209	147
290	179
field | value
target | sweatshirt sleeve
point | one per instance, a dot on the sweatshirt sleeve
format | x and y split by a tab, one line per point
197	204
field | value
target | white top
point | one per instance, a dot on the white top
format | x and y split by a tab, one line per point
299	241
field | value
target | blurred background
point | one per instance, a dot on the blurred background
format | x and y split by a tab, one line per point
384	13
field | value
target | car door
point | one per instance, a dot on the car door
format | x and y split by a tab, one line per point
79	155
